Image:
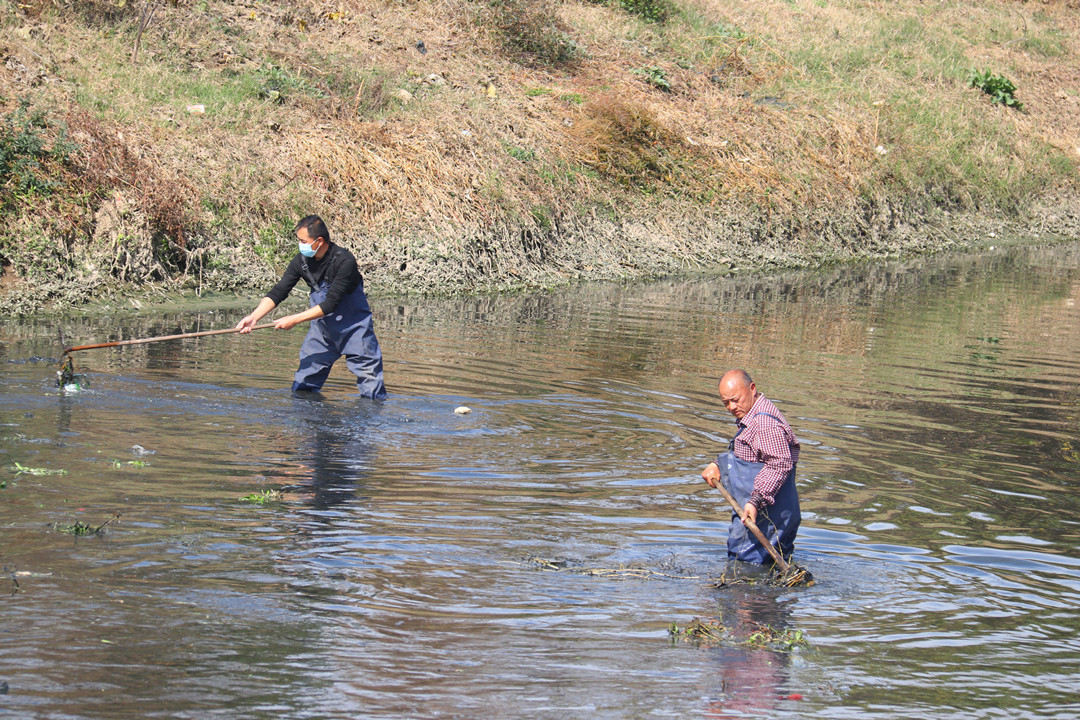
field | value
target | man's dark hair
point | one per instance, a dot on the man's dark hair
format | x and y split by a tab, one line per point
315	227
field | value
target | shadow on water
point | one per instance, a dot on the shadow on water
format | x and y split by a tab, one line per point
333	443
744	677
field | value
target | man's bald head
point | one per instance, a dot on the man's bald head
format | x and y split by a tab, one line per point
738	392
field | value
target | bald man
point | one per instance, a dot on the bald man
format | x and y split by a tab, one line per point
758	470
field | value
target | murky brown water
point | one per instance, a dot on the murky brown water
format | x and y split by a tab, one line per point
937	402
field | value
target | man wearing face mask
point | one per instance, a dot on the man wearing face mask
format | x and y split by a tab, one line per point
340	316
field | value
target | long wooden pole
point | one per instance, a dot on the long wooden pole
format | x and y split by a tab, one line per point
140	341
752	527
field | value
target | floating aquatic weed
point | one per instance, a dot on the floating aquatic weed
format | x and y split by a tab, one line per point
263	496
711	632
547	563
79	528
23	470
766	637
633	572
637	572
699	632
117	464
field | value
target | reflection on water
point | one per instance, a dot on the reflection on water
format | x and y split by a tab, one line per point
937	404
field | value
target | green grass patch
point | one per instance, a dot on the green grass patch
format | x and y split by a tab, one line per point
655	76
697	40
276	244
525	155
963	157
33	153
531	32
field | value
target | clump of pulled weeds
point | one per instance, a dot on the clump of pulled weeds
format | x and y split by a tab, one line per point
794	576
81	529
735	574
710	632
699	631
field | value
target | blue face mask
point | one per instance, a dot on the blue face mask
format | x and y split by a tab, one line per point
307	249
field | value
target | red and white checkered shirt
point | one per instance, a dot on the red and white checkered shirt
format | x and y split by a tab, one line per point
766	440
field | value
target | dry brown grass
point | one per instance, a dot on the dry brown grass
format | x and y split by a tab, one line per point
107	163
777	110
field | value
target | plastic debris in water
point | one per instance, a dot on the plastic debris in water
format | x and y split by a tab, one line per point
140	450
75	384
462	410
68	380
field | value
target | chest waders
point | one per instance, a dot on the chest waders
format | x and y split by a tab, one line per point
347	331
778	522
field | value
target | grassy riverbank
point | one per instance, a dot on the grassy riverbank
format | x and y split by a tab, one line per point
475	144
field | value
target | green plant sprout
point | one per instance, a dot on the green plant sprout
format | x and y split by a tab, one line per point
655	76
998	87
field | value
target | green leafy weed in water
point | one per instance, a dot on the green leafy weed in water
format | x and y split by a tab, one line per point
79	528
710	632
262	497
777	639
117	464
23	470
699	632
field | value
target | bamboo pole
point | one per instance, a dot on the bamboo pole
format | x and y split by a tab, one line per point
752	527
140	341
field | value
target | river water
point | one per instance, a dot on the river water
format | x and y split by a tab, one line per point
425	564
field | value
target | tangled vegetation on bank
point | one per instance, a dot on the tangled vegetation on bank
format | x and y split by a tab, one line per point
485	144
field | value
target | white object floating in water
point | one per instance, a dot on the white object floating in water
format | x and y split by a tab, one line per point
462	410
140	450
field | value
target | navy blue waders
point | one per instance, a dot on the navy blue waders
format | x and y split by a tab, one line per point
778	522
347	331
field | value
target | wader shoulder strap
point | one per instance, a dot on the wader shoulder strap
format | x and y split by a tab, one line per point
306	271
